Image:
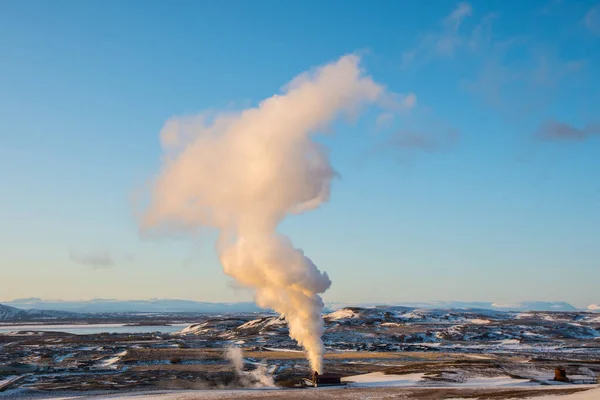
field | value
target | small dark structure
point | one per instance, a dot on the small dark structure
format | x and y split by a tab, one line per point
326	379
560	374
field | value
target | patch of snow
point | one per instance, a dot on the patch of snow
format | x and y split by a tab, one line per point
509	342
425	344
113	360
344	313
485	381
379	379
62	358
411	315
524	315
284	350
479	357
6	380
195	328
593	394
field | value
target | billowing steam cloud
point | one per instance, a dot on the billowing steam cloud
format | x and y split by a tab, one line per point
242	173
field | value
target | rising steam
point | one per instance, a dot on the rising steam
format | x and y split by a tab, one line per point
255	378
242	173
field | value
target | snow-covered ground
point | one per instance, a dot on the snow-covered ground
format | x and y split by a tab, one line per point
408	329
593	394
363	393
379	379
4	380
412	348
111	361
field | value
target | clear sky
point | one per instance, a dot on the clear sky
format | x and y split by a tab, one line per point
496	199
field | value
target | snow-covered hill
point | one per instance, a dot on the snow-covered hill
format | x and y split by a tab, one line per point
14	314
7	313
405	328
487	305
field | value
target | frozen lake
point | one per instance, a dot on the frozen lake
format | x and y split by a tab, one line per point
90	329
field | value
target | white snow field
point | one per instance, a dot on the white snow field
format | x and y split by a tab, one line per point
379	379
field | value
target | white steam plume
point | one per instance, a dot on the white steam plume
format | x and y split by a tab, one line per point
242	173
255	378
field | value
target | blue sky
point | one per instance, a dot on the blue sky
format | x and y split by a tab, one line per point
501	204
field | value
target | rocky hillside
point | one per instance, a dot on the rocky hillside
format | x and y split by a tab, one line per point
405	328
7	313
10	314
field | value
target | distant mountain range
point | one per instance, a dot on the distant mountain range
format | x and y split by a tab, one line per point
484	305
139	306
182	306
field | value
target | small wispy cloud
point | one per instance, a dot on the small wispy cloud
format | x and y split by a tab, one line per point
519	89
592	20
394	105
441	43
560	131
481	35
422	140
551	7
99	259
384	120
418	134
456	17
96	260
447	41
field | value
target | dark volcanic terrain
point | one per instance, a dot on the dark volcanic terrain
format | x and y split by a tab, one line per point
435	348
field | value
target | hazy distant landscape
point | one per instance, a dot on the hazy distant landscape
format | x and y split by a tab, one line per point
180	306
389	350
